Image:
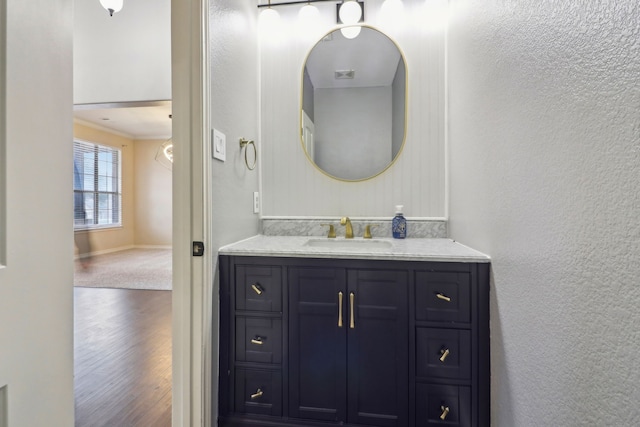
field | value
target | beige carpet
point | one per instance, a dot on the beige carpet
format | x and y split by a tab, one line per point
128	269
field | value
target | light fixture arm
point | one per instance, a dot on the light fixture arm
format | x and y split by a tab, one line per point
287	3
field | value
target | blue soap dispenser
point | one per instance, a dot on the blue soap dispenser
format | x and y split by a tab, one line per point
399	224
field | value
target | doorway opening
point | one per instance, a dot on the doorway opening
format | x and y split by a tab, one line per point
123	274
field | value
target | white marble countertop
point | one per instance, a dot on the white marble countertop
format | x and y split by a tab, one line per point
416	249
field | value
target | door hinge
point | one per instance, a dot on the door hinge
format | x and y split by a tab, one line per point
198	248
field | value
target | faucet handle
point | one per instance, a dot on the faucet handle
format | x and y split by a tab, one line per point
367	230
332	230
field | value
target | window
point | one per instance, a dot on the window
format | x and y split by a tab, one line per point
96	186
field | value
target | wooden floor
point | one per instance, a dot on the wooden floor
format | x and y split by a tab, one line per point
122	357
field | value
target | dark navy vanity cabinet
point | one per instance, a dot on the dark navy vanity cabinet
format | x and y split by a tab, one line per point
353	342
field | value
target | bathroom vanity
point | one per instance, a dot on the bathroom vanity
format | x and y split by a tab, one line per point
328	332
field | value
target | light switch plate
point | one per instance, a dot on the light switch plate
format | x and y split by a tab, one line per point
219	145
256	202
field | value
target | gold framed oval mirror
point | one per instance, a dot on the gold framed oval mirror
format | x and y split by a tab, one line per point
354	104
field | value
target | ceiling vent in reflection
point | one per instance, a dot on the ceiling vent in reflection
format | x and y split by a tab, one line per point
344	74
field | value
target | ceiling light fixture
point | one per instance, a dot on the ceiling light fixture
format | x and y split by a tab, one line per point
164	155
112	5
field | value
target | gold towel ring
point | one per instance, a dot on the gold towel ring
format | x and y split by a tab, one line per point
244	143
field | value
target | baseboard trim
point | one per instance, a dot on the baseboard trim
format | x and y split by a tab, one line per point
119	249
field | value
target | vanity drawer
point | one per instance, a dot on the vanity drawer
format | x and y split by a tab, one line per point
259	339
443	353
443	405
258	392
259	288
443	296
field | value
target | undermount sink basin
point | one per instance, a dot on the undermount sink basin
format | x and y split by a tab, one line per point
349	244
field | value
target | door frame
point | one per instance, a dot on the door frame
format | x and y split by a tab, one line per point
192	275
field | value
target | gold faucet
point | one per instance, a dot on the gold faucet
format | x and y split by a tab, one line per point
367	230
349	231
332	230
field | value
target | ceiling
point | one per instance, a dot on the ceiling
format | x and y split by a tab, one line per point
372	57
135	120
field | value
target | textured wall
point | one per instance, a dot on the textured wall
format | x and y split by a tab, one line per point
545	177
292	186
234	112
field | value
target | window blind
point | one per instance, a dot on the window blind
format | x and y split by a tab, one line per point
96	185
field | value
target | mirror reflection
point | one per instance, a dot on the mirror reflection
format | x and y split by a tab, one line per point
353	111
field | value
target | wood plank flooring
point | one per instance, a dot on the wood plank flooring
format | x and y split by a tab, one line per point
122	357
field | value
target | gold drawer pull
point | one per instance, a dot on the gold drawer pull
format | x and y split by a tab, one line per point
352	323
445	412
257	340
443	297
257	288
259	394
444	353
340	309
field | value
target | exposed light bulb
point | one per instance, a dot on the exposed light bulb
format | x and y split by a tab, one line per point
112	6
350	12
351	32
392	11
269	18
309	21
309	13
436	15
271	30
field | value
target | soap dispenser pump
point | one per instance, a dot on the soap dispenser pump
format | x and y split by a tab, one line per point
399	224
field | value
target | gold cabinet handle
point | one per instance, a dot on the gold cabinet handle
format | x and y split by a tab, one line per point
257	340
443	297
443	354
352	322
257	288
259	394
340	309
445	412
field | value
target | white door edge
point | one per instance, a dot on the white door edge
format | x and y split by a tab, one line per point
192	276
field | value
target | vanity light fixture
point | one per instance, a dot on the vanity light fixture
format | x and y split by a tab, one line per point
269	17
112	6
350	12
308	23
308	14
392	10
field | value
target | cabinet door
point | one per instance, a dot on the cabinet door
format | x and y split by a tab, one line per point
317	344
378	348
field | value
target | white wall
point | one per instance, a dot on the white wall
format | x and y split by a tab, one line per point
234	112
36	282
545	175
345	117
122	58
292	186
